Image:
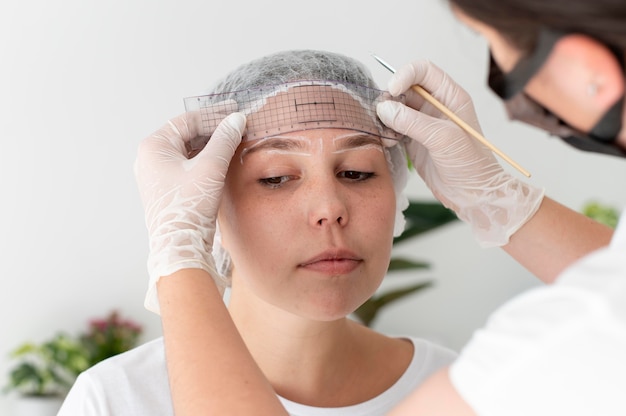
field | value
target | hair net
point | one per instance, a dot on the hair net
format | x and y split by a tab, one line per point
273	74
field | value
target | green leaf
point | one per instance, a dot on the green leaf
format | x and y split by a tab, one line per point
27	377
24	349
401	263
420	217
393	295
424	216
604	214
50	368
369	310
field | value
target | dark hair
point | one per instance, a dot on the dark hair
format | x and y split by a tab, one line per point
519	20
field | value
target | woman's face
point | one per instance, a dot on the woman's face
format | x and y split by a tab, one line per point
576	66
308	218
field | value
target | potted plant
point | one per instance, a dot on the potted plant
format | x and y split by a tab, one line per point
45	372
109	336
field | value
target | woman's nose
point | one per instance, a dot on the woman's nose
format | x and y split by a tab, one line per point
339	220
327	205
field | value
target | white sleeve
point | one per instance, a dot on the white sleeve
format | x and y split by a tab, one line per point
84	398
555	350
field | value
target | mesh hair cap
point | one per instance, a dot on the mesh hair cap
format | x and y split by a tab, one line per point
301	90
292	91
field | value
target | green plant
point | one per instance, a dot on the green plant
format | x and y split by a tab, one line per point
49	368
421	217
605	214
110	336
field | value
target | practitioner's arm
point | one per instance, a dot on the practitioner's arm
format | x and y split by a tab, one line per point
210	369
436	397
554	238
542	235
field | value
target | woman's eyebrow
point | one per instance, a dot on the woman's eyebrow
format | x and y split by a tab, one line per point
279	143
303	145
357	140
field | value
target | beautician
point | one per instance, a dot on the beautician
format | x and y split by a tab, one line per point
558	349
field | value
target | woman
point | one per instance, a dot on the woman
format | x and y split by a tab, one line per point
310	203
524	361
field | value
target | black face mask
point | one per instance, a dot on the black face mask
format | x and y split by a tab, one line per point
510	88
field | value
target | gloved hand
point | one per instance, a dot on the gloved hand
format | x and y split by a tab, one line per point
181	195
460	171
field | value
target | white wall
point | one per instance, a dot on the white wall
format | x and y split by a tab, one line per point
82	82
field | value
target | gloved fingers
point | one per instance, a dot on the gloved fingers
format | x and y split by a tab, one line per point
170	141
413	73
222	146
433	79
205	121
194	128
186	134
414	100
436	143
415	124
163	146
210	116
417	102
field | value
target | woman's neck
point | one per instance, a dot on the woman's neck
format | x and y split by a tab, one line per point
324	364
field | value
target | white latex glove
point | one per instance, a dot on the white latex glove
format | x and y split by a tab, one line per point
460	171
181	195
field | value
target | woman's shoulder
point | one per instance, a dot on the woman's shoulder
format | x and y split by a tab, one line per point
422	357
414	358
147	358
428	357
134	382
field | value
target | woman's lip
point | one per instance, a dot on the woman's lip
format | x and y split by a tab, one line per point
333	266
333	262
337	254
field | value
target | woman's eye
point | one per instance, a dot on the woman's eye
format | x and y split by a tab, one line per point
356	175
274	181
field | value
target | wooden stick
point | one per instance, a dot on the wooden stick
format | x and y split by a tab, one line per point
469	129
448	113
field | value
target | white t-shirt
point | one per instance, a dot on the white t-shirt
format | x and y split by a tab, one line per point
135	383
555	350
